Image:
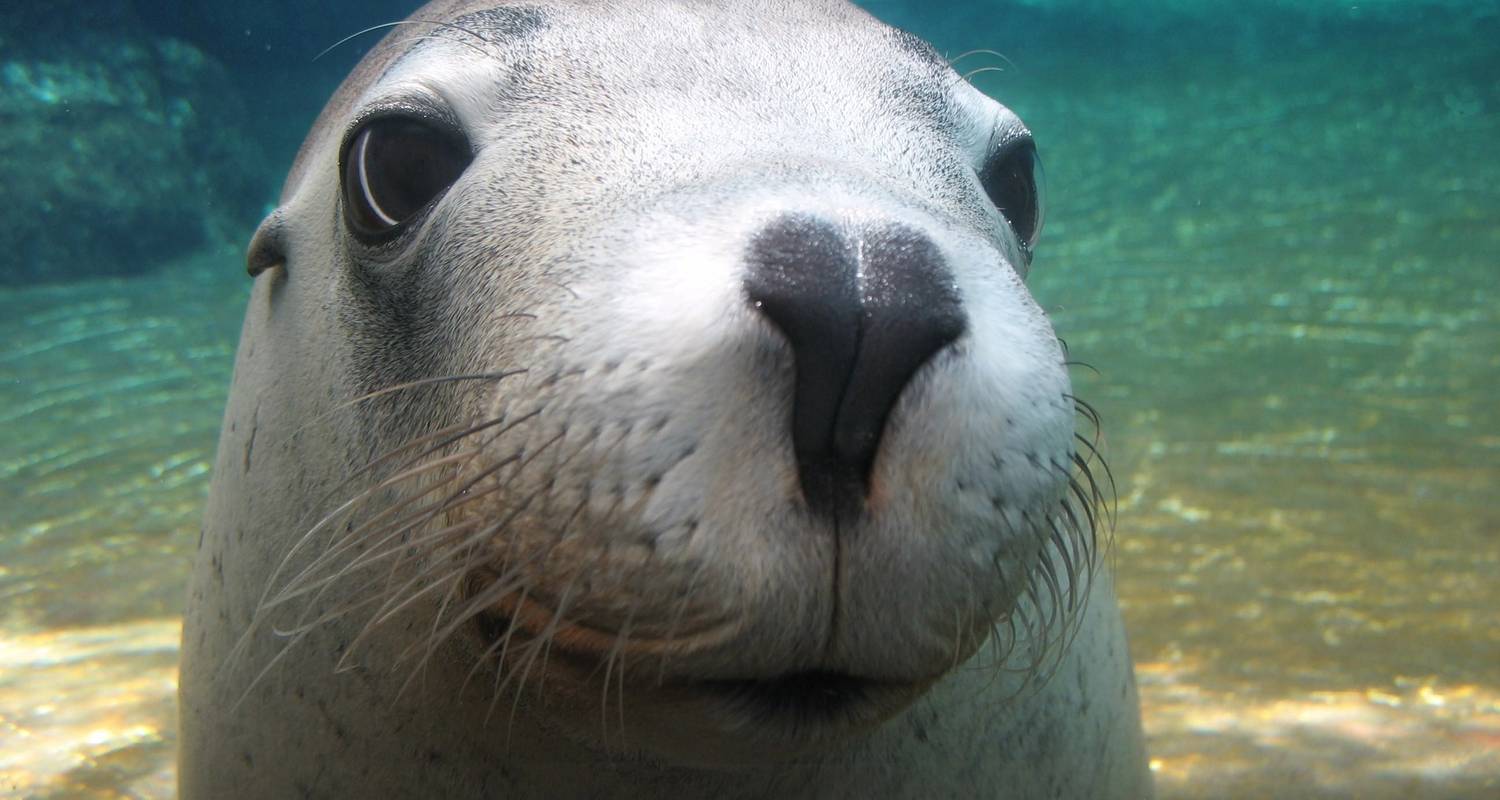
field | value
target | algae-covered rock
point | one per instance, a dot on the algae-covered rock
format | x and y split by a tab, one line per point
120	148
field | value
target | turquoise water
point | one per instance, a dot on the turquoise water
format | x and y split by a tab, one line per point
1274	232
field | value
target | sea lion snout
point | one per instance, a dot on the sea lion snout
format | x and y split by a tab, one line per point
863	310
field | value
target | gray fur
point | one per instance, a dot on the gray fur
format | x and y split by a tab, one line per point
612	445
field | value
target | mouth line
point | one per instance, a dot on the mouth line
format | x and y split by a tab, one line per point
802	709
800	700
810	698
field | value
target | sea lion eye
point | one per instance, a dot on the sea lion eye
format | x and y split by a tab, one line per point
394	167
1012	177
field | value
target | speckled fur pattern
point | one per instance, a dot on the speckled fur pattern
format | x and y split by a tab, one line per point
548	403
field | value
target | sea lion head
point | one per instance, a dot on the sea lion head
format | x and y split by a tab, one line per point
678	368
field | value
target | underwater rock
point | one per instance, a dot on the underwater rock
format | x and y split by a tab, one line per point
123	148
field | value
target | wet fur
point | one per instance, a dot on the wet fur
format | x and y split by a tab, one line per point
450	439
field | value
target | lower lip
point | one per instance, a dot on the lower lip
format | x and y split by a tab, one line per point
813	699
804	698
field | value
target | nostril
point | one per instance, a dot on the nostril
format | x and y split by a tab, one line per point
862	312
910	310
803	276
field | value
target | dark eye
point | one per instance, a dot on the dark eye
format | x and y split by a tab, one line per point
1013	179
394	168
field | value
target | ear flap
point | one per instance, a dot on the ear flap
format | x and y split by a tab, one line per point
267	246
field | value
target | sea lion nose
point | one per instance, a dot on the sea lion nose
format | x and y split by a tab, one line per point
862	311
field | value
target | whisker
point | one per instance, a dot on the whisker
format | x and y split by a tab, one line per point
1086	365
268	603
476	605
264	671
1054	610
322	585
457	568
953	62
399	529
1059	544
1107	503
493	594
542	644
385	25
375	527
352	537
398	599
616	651
687	594
445	436
424	513
400	387
502	676
968	76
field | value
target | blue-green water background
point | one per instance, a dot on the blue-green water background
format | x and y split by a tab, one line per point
1274	228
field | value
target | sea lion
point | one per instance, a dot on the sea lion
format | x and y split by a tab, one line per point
644	400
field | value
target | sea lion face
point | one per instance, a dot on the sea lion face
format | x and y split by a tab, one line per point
690	360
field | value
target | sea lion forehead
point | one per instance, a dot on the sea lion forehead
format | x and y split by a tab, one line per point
833	50
486	31
491	24
727	65
769	46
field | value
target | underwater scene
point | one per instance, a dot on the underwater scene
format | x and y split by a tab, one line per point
1272	233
